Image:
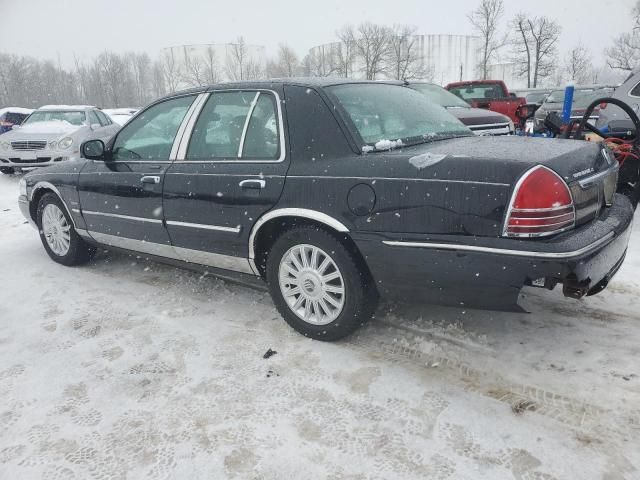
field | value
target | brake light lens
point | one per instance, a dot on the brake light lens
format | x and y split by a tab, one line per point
541	205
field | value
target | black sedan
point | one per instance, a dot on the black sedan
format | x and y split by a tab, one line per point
335	193
479	120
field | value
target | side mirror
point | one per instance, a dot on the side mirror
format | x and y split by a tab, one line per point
93	150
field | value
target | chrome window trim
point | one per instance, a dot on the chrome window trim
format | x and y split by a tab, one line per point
203	226
225	262
502	251
185	135
246	123
55	190
183	125
117	215
181	157
289	212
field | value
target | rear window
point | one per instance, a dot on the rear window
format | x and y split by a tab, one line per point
382	112
15	118
478	91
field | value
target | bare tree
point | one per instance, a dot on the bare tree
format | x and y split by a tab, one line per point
485	20
535	47
625	52
321	62
403	61
345	51
171	71
194	70
577	65
211	67
287	61
372	47
237	60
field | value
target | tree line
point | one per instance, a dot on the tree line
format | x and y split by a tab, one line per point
366	50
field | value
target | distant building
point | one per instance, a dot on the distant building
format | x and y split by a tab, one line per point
442	58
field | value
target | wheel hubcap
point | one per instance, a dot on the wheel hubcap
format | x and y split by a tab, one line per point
312	284
56	230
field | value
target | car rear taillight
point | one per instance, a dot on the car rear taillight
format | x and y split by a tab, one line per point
541	205
603	105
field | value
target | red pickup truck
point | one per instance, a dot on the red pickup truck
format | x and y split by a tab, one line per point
492	95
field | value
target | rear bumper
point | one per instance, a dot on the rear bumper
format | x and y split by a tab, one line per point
489	273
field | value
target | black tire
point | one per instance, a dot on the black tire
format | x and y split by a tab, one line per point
7	170
79	251
360	297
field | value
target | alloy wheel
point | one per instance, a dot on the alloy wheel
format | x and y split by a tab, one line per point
311	284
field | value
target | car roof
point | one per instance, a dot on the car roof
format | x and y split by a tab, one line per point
270	83
67	107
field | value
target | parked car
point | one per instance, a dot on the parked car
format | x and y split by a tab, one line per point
490	94
335	192
612	118
480	121
51	134
582	97
120	115
11	116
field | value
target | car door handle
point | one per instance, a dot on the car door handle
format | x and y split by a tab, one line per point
253	183
150	179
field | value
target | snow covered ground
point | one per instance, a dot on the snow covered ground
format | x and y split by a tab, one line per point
127	368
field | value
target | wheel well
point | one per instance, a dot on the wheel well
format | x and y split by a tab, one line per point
35	200
270	231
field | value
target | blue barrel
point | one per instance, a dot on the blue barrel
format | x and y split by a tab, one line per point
568	104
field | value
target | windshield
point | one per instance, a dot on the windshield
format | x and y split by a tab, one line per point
439	95
71	116
468	92
382	113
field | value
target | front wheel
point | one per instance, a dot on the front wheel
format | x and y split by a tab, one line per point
317	284
58	235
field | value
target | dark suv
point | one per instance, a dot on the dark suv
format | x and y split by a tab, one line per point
336	192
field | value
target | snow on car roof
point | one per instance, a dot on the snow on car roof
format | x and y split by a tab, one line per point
120	111
25	111
66	107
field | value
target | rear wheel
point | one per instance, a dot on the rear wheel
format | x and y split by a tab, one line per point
7	170
58	235
317	284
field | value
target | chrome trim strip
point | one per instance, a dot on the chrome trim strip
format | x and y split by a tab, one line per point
588	182
117	215
177	140
564	222
185	135
491	126
246	123
289	212
502	251
225	262
55	190
203	226
402	179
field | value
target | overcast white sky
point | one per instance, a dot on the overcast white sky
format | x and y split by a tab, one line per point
60	28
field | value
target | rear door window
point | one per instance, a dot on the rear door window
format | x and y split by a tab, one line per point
236	125
104	120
